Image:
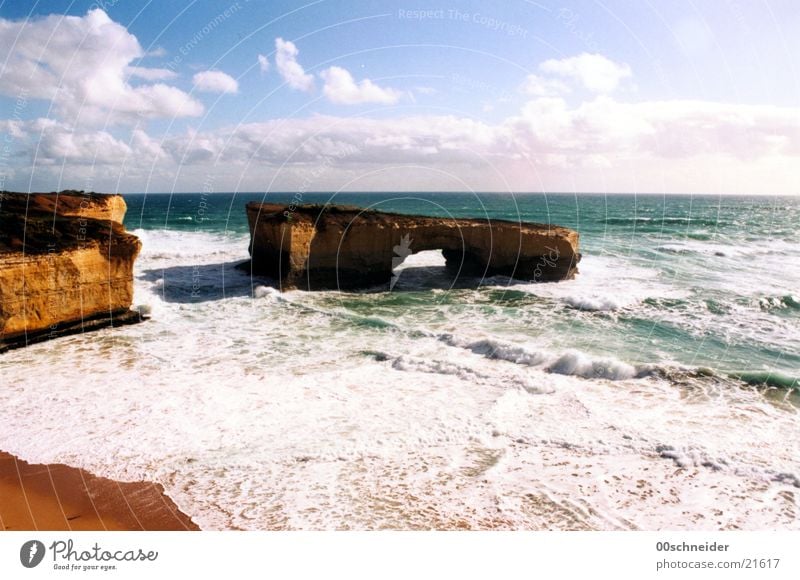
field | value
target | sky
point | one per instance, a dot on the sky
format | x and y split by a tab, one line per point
677	96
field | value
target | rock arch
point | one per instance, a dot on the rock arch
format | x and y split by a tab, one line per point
319	247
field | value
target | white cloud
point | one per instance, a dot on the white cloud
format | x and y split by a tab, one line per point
288	67
97	147
550	144
150	74
340	88
13	128
594	71
723	147
666	130
145	148
263	63
214	81
82	64
673	145
538	86
653	145
157	51
601	129
57	143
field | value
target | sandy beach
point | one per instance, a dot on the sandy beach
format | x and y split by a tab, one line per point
56	497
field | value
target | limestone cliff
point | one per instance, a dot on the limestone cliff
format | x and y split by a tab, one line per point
66	265
314	246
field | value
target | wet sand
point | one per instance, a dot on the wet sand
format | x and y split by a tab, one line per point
56	497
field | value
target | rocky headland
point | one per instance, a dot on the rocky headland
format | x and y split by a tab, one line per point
318	247
66	265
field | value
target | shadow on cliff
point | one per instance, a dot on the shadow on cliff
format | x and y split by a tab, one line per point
203	283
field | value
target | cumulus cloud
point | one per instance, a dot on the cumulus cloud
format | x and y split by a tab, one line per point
83	65
547	131
654	145
341	88
288	67
86	66
150	74
725	141
594	71
538	86
263	63
98	147
55	142
660	130
356	141
214	81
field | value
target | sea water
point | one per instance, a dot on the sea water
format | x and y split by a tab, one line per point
656	390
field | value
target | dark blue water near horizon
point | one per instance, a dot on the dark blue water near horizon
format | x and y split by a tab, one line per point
588	213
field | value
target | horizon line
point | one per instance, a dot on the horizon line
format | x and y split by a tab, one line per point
476	192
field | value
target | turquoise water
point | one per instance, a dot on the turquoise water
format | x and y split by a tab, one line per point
697	281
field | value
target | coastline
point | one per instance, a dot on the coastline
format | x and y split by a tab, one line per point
56	497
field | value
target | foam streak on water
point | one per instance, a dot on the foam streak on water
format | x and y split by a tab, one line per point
602	403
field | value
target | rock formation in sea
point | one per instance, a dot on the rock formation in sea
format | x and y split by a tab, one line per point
66	265
318	247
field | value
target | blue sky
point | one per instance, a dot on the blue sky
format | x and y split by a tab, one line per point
591	96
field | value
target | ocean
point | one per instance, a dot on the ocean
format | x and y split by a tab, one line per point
659	389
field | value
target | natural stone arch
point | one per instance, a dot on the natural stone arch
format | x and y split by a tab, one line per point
318	247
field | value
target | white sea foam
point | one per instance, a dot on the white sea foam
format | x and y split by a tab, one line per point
266	292
731	249
606	284
471	371
593	303
187	247
497	349
572	362
579	364
779	302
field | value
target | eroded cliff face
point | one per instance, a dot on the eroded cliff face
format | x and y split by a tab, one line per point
316	247
66	265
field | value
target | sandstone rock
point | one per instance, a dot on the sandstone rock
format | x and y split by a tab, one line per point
315	247
66	265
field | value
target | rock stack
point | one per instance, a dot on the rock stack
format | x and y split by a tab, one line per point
66	265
